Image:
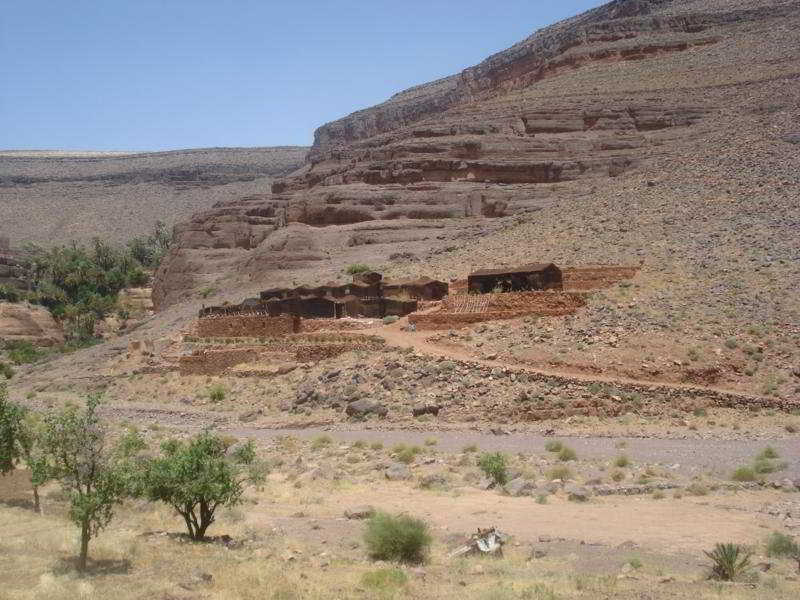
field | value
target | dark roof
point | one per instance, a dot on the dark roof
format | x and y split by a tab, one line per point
531	268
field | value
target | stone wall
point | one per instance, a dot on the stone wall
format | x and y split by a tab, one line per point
499	307
215	362
247	326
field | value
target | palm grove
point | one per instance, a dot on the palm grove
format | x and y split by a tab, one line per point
79	284
73	448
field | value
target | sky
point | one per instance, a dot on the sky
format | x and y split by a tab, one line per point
169	74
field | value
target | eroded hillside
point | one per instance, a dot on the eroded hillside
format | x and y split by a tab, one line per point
56	197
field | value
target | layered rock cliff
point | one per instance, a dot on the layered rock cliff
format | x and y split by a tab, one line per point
575	105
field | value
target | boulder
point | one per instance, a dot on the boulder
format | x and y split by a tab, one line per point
363	408
578	493
520	487
426	409
29	323
397	472
359	512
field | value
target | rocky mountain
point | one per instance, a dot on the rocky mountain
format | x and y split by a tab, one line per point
48	197
683	91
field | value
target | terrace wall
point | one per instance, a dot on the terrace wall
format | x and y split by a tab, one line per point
247	326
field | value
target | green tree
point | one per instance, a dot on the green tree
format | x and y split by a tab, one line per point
197	477
11	417
76	453
19	443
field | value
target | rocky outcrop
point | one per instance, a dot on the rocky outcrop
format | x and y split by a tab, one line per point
457	157
25	322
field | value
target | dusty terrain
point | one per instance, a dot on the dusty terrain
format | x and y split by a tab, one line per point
55	197
657	134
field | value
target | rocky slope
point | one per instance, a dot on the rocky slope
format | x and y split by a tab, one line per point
576	109
48	197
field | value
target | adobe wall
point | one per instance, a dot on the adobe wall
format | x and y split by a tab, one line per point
499	307
214	362
245	326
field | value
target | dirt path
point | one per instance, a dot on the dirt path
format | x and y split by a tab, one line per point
395	335
692	456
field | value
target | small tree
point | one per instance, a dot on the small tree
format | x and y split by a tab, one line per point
19	442
75	452
197	477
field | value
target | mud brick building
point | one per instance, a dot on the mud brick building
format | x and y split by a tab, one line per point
526	278
366	296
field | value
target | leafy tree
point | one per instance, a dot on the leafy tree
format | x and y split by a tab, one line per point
150	249
75	452
19	443
11	416
197	477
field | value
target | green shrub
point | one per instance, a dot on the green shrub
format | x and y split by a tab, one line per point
321	441
384	579
622	461
730	561
400	538
764	465
782	545
376	445
768	452
744	473
216	392
431	442
407	454
10	294
389	319
559	472
567	454
357	268
470	448
553	446
6	371
23	352
495	466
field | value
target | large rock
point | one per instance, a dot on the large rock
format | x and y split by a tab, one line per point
363	408
397	472
26	322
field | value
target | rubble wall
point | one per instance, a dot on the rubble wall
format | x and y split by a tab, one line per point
215	362
245	326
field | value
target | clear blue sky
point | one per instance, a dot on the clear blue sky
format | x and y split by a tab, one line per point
150	75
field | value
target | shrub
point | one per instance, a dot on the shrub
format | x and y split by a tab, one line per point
622	461
399	538
768	452
470	448
560	472
23	352
6	372
495	466
567	454
389	319
321	441
197	477
764	465
780	544
216	393
407	454
384	579
696	489
357	268
731	561
376	445
359	444
617	476
744	473
553	446
431	442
